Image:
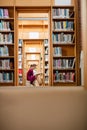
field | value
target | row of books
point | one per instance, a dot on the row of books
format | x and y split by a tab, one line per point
19	50
4	51
46	50
20	42
6	38
6	64
46	65
46	72
64	63
63	38
4	13
46	79
46	57
20	57
45	42
20	64
6	77
57	51
20	79
63	25
5	25
64	76
61	13
20	71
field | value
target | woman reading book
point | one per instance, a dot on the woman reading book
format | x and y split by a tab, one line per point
32	76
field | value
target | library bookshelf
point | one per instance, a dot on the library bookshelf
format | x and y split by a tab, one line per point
64	46
7	58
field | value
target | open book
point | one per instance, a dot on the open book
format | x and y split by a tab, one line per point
37	73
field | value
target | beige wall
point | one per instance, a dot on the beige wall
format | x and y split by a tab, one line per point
24	108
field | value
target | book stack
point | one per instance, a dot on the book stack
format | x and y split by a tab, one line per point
64	63
60	13
57	51
64	76
63	25
6	77
6	38
4	13
63	38
4	51
5	25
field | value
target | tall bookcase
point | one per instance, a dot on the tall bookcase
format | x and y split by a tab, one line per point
7	71
64	69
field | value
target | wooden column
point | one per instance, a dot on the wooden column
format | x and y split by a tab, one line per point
84	37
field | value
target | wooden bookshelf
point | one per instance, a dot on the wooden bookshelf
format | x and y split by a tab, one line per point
7	57
64	70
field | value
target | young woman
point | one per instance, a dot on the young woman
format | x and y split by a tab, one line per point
31	76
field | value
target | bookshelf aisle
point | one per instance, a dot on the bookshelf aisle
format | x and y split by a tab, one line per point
64	45
6	46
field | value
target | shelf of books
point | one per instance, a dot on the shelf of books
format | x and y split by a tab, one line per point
6	46
46	62
64	45
20	62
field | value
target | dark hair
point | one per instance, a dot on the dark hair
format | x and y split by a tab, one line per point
34	65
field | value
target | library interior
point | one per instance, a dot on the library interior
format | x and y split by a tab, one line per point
44	42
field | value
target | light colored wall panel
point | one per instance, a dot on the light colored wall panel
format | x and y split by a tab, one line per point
63	2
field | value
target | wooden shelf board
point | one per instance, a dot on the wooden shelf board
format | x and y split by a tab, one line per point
62	6
8	44
55	56
6	31
62	19
63	31
62	69
7	19
6	57
63	44
6	69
